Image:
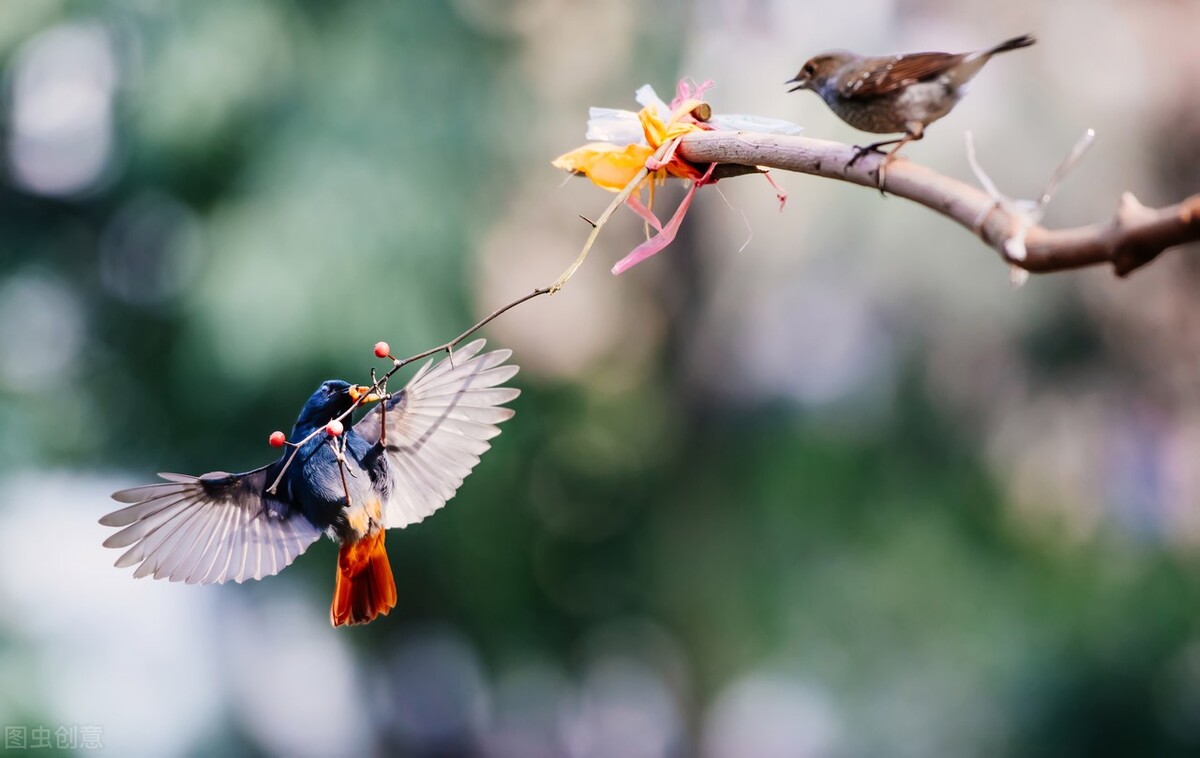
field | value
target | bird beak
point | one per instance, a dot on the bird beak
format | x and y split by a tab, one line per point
800	84
362	391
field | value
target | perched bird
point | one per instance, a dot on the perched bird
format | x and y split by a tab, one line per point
401	462
897	93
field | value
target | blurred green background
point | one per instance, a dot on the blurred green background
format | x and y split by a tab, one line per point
843	492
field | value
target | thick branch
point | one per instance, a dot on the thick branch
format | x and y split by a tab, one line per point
1134	237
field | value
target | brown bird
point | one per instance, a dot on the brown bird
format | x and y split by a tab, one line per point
896	93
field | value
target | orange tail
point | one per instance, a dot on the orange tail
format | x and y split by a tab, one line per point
365	587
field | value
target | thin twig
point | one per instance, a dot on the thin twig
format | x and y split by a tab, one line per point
621	197
1064	168
341	461
448	346
1025	214
379	385
599	223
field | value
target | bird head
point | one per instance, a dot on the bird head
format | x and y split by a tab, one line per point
818	71
333	398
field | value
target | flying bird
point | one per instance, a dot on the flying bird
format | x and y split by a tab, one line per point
401	462
895	93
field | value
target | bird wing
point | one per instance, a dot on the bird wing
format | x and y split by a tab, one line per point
208	529
437	428
891	74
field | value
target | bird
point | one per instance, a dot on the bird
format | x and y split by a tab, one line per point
897	93
401	462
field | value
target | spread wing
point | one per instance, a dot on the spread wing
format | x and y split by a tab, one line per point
890	74
437	428
208	529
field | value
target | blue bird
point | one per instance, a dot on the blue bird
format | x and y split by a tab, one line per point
401	462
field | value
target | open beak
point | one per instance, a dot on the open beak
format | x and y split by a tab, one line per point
800	84
364	392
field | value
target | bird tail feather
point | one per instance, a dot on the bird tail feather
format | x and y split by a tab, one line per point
365	586
1016	43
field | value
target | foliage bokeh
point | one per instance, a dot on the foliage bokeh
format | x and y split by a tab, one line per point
841	492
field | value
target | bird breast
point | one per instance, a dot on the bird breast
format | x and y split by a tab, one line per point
924	102
322	492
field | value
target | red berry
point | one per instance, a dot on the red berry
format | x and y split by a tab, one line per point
277	439
382	350
334	428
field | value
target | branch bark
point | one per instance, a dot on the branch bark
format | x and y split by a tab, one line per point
1131	239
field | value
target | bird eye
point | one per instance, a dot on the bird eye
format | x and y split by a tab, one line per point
809	70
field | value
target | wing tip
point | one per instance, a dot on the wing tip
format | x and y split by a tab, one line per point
131	496
144	492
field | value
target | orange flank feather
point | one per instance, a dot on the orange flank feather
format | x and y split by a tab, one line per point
365	587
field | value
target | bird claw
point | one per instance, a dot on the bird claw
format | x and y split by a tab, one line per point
880	172
860	151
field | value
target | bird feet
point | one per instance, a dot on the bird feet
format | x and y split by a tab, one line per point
916	131
881	172
860	151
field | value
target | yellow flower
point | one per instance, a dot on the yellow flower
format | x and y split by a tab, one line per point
612	166
627	166
609	166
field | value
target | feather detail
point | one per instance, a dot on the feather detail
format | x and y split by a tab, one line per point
364	586
438	427
206	530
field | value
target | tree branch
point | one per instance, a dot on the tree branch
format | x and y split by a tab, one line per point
1133	238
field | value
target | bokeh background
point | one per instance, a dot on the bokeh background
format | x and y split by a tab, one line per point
818	483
